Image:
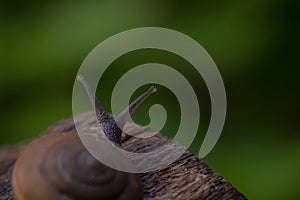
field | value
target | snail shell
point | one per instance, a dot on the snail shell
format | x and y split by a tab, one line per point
57	166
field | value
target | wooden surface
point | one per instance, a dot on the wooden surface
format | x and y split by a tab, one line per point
186	178
8	156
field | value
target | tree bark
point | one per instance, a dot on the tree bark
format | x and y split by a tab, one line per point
186	178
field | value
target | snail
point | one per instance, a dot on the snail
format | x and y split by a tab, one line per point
186	178
57	166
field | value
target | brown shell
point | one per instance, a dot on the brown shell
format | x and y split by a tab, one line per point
57	166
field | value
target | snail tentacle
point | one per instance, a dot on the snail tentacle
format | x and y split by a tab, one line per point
122	118
112	127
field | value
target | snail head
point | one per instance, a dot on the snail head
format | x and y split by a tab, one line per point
112	126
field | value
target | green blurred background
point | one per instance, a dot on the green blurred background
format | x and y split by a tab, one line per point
254	44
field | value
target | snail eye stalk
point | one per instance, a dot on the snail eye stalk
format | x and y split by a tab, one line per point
112	127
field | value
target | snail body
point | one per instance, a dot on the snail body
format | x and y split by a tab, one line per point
57	166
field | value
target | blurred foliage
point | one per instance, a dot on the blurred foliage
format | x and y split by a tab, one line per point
254	43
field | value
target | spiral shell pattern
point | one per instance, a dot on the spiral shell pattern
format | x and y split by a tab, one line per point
57	166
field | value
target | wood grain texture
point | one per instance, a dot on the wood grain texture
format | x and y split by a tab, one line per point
8	156
186	178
